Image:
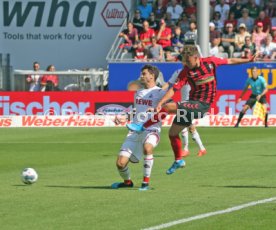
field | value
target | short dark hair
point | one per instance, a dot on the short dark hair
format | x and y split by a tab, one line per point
153	70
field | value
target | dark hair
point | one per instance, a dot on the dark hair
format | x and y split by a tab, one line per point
152	70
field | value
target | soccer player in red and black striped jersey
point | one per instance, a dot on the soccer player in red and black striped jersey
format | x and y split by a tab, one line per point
200	73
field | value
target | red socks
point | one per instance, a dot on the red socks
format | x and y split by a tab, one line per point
176	146
156	118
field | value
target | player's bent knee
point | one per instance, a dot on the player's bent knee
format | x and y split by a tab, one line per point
192	128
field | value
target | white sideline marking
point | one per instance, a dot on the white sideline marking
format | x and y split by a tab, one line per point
202	216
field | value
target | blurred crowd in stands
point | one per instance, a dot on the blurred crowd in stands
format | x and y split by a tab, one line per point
238	28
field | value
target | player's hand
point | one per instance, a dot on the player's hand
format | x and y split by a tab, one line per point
239	100
258	97
28	79
158	108
119	119
254	57
150	110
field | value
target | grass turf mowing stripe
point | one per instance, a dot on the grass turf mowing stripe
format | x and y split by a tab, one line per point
209	214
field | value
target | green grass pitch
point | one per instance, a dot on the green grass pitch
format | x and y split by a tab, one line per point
76	167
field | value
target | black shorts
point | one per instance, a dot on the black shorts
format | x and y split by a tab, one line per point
189	110
252	100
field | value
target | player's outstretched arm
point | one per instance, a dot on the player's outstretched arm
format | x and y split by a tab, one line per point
169	94
233	61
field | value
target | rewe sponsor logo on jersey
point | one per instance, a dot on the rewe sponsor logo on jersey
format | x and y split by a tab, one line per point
79	13
144	102
47	106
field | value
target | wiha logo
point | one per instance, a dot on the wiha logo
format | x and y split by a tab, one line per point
82	14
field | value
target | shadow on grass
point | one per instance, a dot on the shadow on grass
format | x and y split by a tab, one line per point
78	187
92	187
240	186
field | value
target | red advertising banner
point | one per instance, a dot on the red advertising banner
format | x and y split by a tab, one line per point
81	103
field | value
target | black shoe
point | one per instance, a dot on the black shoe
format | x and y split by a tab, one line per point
266	126
122	185
144	187
236	126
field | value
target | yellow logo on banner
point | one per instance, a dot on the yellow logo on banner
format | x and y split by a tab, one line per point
259	111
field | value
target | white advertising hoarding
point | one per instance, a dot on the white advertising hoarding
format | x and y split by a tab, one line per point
67	33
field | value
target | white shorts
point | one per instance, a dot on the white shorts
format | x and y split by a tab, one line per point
134	142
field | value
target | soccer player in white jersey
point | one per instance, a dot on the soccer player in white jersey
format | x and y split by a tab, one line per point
137	144
185	90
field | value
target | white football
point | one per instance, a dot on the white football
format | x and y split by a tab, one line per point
29	176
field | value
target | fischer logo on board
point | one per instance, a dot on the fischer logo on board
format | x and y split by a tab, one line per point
114	13
45	108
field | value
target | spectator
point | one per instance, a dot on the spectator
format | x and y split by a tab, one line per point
268	50
145	9
248	49
178	40
228	40
156	51
237	9
164	35
169	57
217	21
49	82
140	53
273	20
190	8
192	18
169	22
86	85
231	19
245	19
153	23
183	23
34	79
159	10
214	49
175	10
258	36
273	34
138	21
191	35
223	9
269	9
214	35
130	35
240	37
253	9
146	34
265	21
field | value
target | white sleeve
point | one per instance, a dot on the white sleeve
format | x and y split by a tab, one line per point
174	76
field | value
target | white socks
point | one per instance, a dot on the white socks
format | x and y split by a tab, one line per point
148	163
196	138
124	173
185	136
